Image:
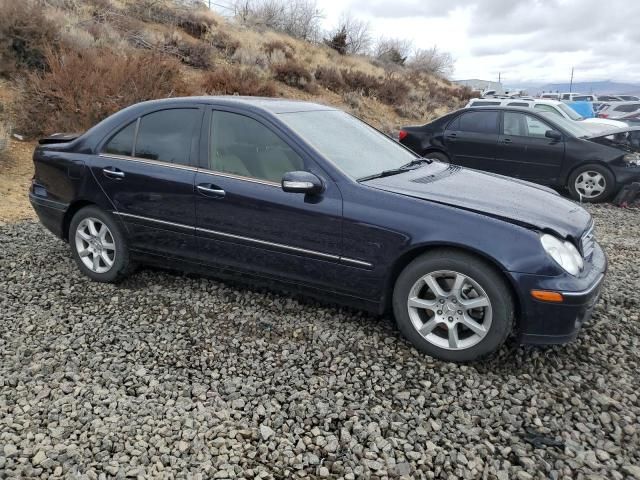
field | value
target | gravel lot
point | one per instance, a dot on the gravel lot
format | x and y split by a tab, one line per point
182	376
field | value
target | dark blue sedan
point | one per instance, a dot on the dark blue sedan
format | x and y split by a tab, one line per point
306	197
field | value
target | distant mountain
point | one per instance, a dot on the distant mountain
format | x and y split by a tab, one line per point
602	88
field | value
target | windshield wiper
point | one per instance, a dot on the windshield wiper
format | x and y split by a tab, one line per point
394	171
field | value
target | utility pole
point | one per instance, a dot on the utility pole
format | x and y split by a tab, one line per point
571	83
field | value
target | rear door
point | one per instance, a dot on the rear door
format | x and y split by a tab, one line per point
146	171
472	137
247	222
525	152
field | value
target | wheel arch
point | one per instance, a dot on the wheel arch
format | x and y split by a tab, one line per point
411	254
431	149
68	215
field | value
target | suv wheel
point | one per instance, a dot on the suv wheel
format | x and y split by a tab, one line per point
453	306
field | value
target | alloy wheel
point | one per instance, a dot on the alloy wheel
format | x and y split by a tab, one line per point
95	245
590	184
449	310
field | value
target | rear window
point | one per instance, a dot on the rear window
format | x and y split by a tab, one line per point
476	122
632	107
482	103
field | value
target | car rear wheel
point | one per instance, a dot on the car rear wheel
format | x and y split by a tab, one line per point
591	183
453	306
98	246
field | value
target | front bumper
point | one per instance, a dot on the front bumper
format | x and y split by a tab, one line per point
553	323
625	175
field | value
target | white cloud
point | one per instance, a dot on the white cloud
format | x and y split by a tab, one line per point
524	40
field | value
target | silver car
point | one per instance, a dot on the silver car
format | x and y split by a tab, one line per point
618	110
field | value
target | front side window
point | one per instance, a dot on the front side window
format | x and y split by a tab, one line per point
476	122
522	125
122	142
166	135
243	146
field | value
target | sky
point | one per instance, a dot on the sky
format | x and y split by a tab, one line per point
526	41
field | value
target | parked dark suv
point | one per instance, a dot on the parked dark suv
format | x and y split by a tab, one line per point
535	146
307	197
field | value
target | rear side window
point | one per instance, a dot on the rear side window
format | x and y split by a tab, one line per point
632	107
122	142
518	104
476	122
166	135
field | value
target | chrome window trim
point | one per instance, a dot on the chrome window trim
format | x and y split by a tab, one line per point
352	261
208	171
149	162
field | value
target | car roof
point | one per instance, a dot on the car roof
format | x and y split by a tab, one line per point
271	105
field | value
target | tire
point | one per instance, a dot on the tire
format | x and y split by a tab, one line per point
449	311
108	246
598	183
441	157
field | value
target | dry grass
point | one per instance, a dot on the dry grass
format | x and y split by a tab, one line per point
237	81
60	100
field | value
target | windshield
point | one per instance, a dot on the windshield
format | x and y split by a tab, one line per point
353	146
571	113
575	129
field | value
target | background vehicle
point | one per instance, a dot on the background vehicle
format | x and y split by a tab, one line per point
552	106
574	97
629	98
618	110
524	143
313	199
550	96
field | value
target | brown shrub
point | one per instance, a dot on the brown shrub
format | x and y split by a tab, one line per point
193	53
223	42
24	34
293	74
80	89
237	81
278	45
392	91
331	78
361	82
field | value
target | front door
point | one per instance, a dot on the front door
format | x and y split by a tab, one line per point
471	139
245	221
145	170
525	152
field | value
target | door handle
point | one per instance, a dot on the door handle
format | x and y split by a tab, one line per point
452	136
507	140
211	190
112	172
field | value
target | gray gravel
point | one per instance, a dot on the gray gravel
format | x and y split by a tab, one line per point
186	377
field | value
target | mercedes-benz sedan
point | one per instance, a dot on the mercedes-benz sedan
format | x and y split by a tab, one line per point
307	197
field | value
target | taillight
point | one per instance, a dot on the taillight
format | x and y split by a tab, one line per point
603	115
402	135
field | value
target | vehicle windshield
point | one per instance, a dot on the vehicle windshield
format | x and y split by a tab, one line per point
571	113
571	127
353	146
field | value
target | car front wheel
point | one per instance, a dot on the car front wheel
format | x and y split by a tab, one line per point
591	183
98	246
453	306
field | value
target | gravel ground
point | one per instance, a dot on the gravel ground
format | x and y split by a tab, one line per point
167	375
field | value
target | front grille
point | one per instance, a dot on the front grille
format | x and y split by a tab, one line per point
587	243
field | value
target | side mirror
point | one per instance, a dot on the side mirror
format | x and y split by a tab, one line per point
301	182
553	135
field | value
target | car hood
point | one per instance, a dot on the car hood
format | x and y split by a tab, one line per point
614	131
493	195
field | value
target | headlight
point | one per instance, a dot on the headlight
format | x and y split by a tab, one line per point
564	253
632	159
